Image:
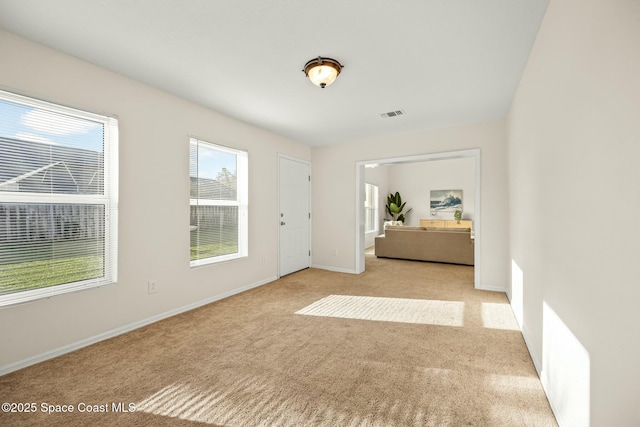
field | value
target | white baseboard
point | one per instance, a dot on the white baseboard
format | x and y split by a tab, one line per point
554	408
538	367
335	269
536	362
545	386
492	288
124	329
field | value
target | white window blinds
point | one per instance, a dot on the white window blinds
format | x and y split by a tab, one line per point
218	202
58	199
371	208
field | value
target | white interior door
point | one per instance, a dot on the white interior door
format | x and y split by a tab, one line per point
295	216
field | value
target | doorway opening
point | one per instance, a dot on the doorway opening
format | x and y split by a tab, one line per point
473	154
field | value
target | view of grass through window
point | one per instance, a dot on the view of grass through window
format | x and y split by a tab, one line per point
49	272
57	226
214	202
213	242
47	245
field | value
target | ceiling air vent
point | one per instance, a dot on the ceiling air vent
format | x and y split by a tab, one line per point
392	114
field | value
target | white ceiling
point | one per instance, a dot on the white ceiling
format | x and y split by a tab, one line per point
444	62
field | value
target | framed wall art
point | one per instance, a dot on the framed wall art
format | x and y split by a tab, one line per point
445	201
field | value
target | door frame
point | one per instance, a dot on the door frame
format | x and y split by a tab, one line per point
477	228
277	222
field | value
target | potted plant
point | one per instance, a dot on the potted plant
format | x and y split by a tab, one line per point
394	207
457	215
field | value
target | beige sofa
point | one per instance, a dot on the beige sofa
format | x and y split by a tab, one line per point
453	246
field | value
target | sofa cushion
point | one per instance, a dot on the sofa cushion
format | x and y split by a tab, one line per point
403	228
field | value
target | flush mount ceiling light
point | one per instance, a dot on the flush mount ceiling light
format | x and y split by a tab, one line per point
322	71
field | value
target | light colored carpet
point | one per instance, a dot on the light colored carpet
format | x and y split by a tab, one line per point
404	344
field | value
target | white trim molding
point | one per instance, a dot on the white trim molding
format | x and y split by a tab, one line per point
334	269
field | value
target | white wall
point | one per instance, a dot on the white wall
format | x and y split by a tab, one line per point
574	150
415	181
154	203
335	176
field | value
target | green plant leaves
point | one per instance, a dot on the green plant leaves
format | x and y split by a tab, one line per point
395	206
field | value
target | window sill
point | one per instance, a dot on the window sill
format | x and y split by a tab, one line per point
33	295
217	260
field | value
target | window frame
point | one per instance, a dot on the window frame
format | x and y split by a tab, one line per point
241	202
374	206
109	199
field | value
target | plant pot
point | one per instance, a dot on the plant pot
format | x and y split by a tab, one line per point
392	223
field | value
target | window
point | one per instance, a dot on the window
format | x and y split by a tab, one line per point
219	195
58	199
371	208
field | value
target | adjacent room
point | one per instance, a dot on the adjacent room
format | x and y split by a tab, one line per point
436	196
191	194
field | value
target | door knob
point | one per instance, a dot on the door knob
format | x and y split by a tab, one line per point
281	222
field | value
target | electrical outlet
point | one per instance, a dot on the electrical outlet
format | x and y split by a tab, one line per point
334	252
264	260
151	287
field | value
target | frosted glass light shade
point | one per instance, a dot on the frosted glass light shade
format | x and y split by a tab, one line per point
322	75
322	71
